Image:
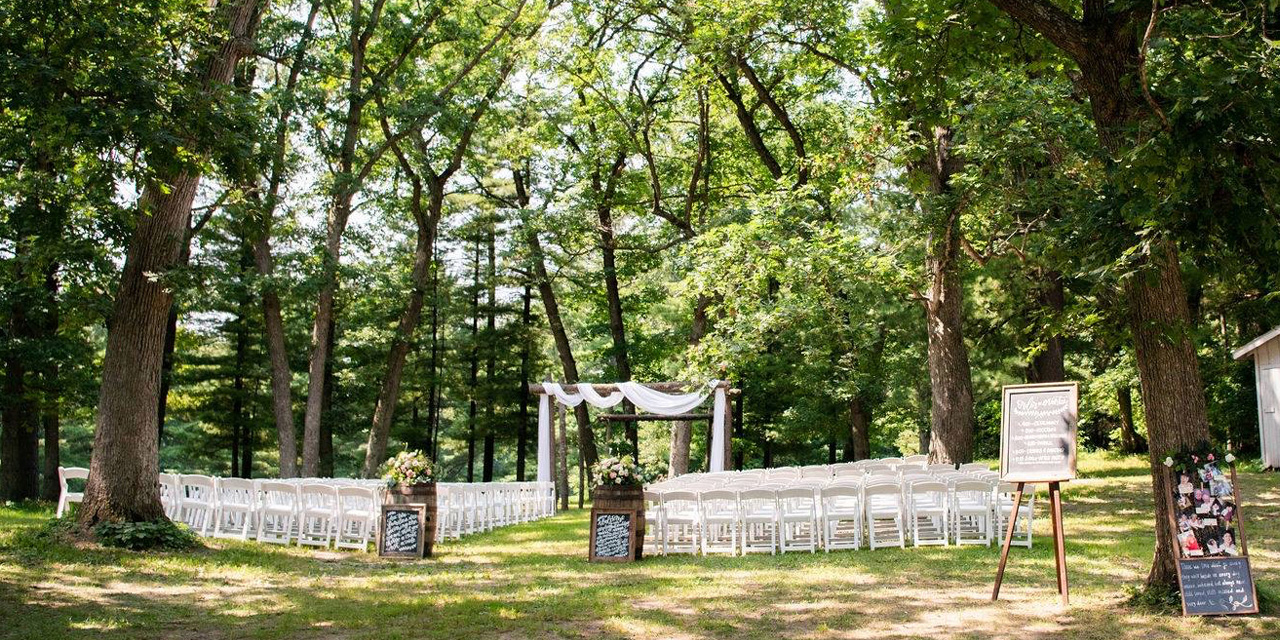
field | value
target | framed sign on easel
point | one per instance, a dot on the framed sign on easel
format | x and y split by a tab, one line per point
1038	444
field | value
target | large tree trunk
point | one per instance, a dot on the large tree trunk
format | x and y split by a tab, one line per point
384	410
551	306
20	437
951	414
122	472
278	354
1172	390
51	396
617	329
1048	365
273	321
1106	46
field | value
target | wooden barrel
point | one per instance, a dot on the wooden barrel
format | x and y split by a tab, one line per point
424	493
629	498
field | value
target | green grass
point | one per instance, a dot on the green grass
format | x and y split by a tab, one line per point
532	581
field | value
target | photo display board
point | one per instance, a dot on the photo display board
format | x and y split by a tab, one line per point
612	535
1213	565
1038	432
402	530
1216	586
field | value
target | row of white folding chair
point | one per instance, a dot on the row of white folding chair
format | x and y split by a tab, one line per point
760	519
467	508
314	513
931	511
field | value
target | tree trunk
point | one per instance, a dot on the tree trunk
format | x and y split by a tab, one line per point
324	467
617	330
859	430
1130	440
522	424
388	396
122	472
433	389
51	396
681	436
551	307
562	460
474	355
278	354
951	439
1172	390
20	434
491	354
1048	365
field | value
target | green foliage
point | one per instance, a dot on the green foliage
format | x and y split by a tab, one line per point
162	535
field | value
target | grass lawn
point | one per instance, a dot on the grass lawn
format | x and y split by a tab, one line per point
532	581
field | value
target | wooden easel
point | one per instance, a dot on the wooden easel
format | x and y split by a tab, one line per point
1059	548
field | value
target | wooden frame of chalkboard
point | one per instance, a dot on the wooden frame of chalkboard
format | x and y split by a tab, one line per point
421	511
1009	467
631	537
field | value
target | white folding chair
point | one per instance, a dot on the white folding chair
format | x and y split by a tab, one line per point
969	467
941	467
197	502
971	511
918	459
759	520
930	512
798	517
277	511
681	526
842	516
718	509
65	495
1005	492
882	500
317	514
237	508
653	523
357	512
168	483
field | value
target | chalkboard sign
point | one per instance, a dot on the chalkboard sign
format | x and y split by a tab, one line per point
1038	432
1216	586
402	530
612	535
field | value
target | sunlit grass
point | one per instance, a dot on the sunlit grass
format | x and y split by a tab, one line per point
533	581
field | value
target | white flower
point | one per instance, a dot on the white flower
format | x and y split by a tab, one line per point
1168	462
1230	458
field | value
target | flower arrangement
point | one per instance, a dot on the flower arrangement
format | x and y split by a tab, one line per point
619	472
1194	459
409	467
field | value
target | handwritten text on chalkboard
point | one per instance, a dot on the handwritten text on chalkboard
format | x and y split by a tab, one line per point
1217	586
613	535
402	531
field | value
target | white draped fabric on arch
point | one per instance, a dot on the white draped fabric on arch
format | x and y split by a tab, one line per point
644	398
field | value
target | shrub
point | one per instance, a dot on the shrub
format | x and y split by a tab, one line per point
141	536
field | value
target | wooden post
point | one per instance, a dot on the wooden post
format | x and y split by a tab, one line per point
562	460
1059	543
1008	539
